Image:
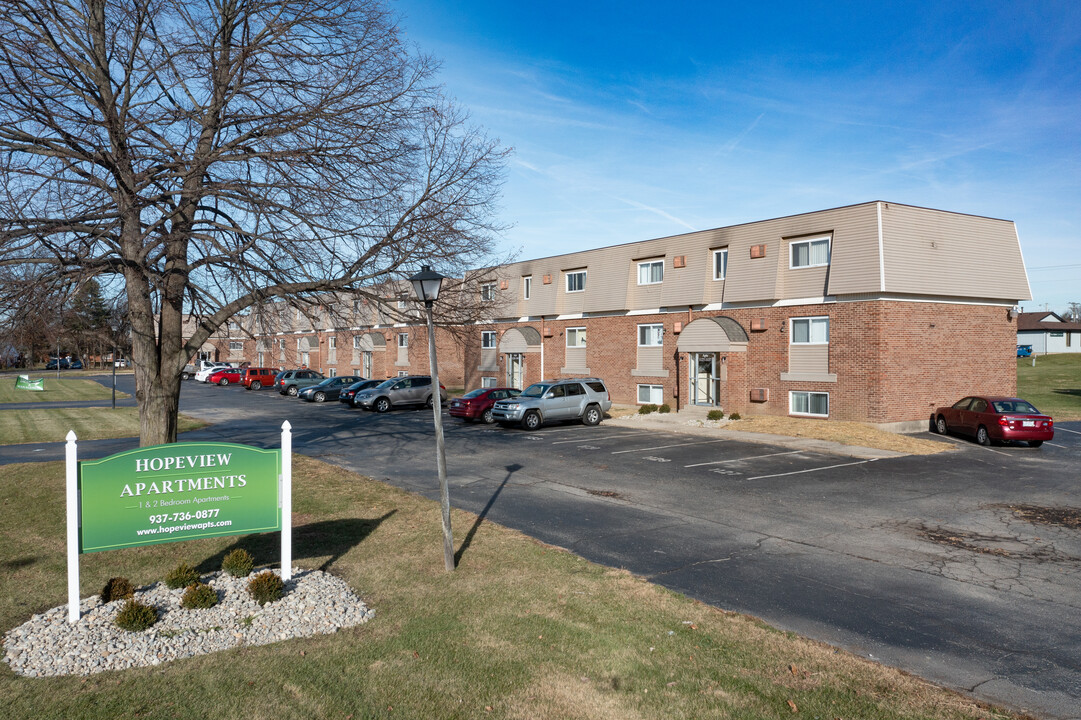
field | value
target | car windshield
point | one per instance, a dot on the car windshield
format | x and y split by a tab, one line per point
387	383
474	393
1015	406
536	390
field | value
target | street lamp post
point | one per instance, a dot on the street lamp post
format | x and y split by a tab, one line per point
426	285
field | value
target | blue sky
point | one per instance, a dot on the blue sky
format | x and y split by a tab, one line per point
631	121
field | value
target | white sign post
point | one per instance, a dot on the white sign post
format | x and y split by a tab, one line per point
287	501
73	527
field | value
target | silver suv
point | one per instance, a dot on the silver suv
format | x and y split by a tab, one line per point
412	390
584	399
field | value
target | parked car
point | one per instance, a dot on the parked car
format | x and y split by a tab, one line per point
257	378
192	369
224	376
75	365
349	392
293	381
477	404
994	419
63	362
411	390
120	363
329	389
1024	351
203	375
584	399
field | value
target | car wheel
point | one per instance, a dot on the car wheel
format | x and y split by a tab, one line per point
1035	443
292	391
487	417
592	416
940	425
223	382
531	420
319	397
256	385
185	376
982	437
382	405
429	402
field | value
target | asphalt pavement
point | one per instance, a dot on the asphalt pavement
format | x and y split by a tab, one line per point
933	564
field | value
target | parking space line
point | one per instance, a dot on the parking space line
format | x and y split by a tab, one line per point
1064	447
752	457
1068	430
662	447
797	472
606	437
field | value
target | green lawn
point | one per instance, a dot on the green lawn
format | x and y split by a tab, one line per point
52	424
64	389
1053	385
519	630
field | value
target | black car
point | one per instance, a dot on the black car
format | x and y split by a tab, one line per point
328	389
349	392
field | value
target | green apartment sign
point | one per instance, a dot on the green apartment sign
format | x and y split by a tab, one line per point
180	491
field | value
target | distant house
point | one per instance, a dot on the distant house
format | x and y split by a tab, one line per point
1048	333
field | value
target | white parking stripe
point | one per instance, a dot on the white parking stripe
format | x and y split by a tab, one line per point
1068	430
752	457
662	447
1064	447
797	472
606	437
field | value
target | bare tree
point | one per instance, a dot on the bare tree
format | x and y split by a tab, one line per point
205	156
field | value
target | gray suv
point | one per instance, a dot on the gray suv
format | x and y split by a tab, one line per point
411	390
584	399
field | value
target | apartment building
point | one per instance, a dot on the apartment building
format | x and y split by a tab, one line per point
874	312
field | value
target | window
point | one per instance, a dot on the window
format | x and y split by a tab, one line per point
650	335
299	341
809	403
281	344
487	292
720	264
810	253
810	331
403	373
527	287
487	382
650	394
236	345
403	303
487	339
576	281
651	272
333	372
403	340
576	337
356	342
332	343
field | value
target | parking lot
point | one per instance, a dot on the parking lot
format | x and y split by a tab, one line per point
953	566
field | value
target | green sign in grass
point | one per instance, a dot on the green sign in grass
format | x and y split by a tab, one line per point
176	492
25	383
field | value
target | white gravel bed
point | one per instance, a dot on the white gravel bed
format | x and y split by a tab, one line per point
313	603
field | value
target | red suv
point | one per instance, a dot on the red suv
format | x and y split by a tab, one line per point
256	378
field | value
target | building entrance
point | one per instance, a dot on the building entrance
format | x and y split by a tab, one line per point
515	370
704	383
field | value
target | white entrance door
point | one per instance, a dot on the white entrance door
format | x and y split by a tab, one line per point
705	385
515	370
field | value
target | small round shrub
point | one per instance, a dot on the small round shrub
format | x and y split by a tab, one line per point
734	416
266	587
715	415
238	563
647	409
199	596
182	576
666	408
117	588
136	616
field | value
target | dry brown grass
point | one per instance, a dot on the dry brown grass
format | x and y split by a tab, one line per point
847	433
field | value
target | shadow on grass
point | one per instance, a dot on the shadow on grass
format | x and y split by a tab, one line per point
511	469
329	537
1064	391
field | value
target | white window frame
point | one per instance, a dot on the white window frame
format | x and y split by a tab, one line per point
574	273
489	382
332	342
403	340
647	267
281	343
654	328
655	397
403	373
576	331
792	394
356	342
332	372
808	242
487	339
487	292
298	344
527	286
724	269
812	322
236	345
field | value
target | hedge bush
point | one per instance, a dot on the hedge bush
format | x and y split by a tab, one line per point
266	587
199	596
182	576
238	563
117	588
136	616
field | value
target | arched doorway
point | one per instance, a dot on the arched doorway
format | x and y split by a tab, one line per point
516	345
708	342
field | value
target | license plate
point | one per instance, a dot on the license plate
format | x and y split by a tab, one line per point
1028	423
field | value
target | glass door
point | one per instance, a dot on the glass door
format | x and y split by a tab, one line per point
705	385
515	370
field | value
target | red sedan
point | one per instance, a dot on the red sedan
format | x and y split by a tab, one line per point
225	376
995	420
477	404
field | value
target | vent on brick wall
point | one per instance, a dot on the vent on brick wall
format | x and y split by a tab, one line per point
759	394
677	327
547	279
759	324
679	261
547	331
758	251
502	284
